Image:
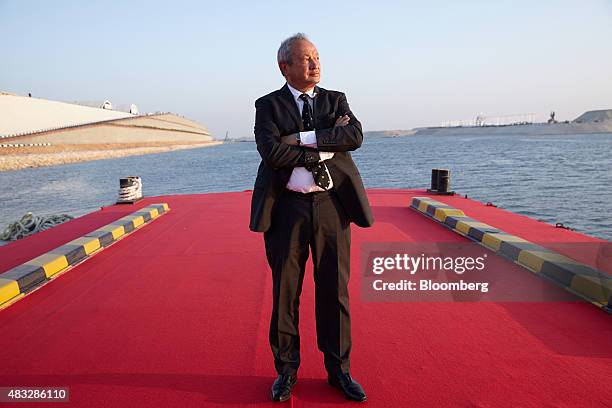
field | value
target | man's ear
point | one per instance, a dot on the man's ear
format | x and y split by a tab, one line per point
282	66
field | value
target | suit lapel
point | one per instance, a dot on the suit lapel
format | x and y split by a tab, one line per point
321	104
286	98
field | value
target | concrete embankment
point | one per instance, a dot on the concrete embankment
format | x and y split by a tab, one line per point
28	157
520	130
40	133
21	114
590	122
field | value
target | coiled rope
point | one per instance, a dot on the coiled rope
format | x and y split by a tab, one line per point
30	224
130	188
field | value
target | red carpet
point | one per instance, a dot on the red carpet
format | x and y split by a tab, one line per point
176	315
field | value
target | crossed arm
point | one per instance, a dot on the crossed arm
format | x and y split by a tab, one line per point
281	151
292	138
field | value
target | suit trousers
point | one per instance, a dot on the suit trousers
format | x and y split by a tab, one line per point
303	222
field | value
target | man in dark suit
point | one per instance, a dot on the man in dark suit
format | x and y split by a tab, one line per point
307	192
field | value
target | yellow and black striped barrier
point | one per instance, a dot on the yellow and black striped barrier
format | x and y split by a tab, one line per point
579	279
16	282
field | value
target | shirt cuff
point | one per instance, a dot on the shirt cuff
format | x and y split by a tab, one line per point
309	137
325	156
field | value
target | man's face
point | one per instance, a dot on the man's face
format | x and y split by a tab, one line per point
304	72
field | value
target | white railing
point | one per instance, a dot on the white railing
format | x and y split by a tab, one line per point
24	144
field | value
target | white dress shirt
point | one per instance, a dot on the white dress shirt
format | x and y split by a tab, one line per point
301	180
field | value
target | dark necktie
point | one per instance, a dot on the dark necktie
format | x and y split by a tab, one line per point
318	170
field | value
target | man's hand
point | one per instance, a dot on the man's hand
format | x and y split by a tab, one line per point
342	121
290	139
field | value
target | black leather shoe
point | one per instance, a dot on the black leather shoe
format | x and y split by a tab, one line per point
281	389
350	388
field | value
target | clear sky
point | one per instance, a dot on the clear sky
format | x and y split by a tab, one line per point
402	64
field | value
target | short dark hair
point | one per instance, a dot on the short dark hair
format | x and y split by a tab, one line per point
284	51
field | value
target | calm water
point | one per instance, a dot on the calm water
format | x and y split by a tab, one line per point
552	178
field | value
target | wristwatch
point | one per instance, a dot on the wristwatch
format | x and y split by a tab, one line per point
297	137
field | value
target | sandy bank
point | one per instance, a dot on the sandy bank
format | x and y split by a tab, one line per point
27	157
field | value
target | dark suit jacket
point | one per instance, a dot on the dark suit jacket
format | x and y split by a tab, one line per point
277	115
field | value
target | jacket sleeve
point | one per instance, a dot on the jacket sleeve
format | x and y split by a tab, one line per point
274	153
341	138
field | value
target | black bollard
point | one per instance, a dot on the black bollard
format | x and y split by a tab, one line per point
440	182
443	180
434	179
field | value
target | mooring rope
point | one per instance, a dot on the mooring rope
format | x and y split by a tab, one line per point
130	188
30	224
